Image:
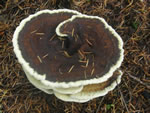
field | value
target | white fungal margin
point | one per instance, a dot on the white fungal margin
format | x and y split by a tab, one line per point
71	90
37	83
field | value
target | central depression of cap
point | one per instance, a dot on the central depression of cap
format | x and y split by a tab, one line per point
42	48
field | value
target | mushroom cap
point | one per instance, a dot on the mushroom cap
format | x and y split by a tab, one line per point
39	49
93	91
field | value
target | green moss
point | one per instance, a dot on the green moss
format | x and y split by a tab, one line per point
109	106
135	24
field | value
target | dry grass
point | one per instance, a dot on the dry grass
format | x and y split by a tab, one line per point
130	18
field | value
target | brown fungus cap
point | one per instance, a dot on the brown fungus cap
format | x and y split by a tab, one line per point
83	50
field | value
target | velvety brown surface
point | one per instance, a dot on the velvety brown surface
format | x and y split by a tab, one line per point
35	42
43	49
90	35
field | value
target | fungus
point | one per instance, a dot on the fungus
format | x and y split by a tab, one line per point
69	54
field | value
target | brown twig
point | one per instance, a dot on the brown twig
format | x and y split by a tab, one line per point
122	98
138	80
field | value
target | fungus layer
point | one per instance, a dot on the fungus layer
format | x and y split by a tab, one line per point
92	91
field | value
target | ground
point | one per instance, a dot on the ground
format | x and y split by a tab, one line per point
130	18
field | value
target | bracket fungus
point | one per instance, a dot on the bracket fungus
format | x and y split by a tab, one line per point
71	55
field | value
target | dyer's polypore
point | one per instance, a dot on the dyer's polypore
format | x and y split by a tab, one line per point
69	54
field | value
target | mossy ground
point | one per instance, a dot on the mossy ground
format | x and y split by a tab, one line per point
130	18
